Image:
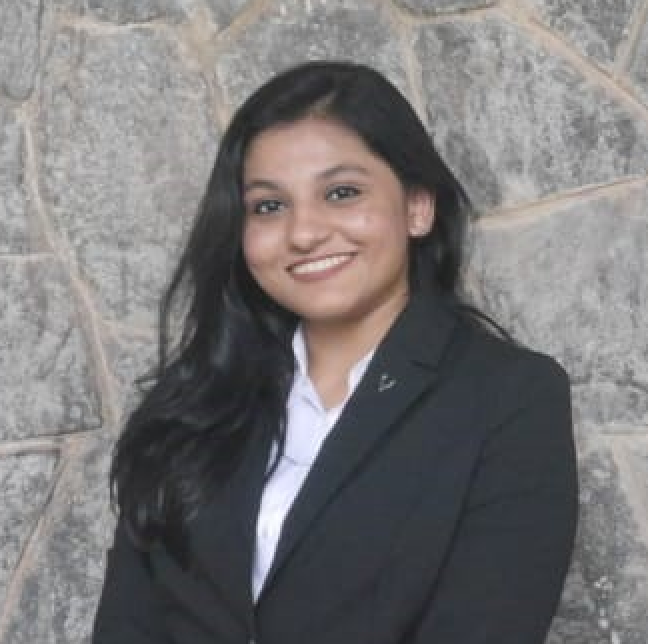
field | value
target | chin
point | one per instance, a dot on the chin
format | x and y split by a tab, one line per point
330	315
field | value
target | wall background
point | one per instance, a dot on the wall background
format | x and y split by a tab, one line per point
110	113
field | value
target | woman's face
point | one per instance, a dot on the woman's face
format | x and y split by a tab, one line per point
327	223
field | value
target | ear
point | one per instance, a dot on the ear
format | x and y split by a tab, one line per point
420	212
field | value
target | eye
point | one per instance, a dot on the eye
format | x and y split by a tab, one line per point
265	207
342	192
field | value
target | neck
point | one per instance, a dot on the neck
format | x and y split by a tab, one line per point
334	347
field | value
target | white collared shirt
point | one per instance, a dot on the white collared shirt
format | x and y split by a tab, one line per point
308	423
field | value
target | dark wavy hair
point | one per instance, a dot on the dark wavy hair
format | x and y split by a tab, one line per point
225	380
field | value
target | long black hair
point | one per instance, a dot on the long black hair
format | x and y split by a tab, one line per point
224	381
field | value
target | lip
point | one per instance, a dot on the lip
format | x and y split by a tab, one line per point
316	268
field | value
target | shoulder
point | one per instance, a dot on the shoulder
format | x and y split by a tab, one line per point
500	375
438	330
489	354
475	371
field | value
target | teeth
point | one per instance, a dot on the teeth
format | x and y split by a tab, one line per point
320	264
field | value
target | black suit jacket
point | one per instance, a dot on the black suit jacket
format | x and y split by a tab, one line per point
440	510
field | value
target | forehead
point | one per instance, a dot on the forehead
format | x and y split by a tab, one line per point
310	141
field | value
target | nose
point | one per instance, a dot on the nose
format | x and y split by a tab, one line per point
308	227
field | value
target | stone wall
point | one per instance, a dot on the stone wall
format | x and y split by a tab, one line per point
110	114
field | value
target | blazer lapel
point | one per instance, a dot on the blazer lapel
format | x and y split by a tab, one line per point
402	369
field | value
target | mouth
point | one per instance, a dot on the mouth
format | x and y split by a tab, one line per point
322	265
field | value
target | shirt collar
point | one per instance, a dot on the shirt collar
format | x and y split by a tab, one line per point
301	358
308	423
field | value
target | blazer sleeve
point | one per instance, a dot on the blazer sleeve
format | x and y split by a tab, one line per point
129	611
502	580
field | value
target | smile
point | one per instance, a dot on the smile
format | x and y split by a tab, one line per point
321	265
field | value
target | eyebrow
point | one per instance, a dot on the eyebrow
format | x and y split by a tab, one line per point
260	183
329	173
341	168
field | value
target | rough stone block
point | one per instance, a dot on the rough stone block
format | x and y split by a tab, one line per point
130	357
292	31
124	12
223	12
46	375
607	591
19	46
59	597
619	402
638	71
597	28
127	144
25	479
14	229
577	620
574	283
515	121
432	7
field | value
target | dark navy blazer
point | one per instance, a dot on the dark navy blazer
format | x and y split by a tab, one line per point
440	510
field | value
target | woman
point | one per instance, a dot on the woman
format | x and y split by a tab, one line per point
336	450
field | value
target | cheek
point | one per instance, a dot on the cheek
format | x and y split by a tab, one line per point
381	225
257	246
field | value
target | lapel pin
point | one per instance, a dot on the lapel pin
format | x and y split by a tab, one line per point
386	382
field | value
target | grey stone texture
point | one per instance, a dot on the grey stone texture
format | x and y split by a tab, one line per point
61	586
290	31
514	120
597	28
15	236
127	142
605	599
47	378
124	12
25	479
223	12
130	356
638	70
434	7
110	114
593	253
19	47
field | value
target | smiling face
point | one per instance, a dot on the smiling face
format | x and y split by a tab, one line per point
327	224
